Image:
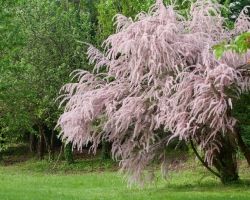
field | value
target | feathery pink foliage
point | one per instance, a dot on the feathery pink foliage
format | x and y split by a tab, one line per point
160	72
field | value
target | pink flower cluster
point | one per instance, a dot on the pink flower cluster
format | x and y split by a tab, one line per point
157	79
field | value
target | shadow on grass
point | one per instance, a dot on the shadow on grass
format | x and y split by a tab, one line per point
214	186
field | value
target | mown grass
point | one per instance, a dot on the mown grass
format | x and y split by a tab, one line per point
97	180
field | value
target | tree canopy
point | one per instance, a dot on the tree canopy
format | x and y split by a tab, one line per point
156	80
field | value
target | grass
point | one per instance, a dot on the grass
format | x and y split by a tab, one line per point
88	180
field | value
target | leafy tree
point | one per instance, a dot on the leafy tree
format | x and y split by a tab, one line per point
41	46
162	81
12	86
53	50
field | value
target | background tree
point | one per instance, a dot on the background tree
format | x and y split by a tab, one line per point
41	46
13	88
53	50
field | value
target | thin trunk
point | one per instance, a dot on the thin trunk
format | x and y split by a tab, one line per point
1	155
32	143
52	144
41	142
1	147
48	142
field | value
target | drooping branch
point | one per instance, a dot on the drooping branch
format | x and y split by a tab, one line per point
201	160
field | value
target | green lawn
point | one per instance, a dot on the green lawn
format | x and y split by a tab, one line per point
33	181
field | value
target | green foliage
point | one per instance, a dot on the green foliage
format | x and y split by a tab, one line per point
53	51
107	9
242	43
233	8
239	45
242	112
236	7
39	49
13	117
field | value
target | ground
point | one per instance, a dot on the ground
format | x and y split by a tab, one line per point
98	180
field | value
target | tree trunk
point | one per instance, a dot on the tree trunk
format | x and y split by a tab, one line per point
32	143
1	146
225	162
52	145
1	155
41	142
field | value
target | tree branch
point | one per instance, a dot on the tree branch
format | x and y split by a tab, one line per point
201	160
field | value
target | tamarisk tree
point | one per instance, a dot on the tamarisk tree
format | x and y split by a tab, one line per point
156	80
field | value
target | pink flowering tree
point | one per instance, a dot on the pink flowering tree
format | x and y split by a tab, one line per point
158	79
